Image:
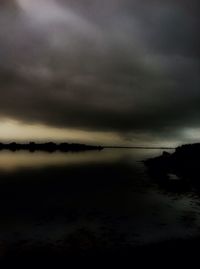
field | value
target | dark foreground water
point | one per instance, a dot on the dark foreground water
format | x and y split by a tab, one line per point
97	199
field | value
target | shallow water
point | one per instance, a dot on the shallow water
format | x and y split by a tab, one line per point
94	198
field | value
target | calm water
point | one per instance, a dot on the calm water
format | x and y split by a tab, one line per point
99	198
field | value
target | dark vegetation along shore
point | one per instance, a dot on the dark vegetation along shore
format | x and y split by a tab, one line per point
48	147
182	165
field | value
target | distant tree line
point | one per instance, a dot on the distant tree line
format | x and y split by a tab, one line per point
49	147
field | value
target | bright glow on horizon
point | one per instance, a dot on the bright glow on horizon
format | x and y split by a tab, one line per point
192	134
12	130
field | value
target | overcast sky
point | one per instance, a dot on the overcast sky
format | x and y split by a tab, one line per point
107	71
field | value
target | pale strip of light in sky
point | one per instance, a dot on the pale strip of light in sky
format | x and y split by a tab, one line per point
44	10
15	130
192	134
49	11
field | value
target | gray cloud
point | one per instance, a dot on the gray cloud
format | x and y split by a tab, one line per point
126	66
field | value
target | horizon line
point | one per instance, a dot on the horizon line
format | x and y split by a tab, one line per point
81	143
86	144
139	147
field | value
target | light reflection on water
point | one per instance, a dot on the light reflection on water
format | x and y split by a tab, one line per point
12	161
107	192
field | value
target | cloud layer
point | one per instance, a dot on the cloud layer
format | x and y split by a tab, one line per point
123	66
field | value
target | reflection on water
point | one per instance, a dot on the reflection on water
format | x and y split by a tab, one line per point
102	198
12	161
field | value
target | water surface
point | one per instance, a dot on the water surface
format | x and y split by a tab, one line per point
95	198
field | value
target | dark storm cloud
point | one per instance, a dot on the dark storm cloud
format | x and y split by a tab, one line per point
127	66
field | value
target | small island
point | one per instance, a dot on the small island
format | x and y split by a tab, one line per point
183	164
48	147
